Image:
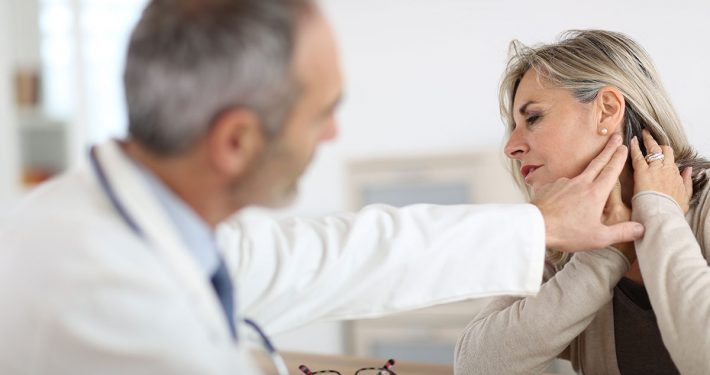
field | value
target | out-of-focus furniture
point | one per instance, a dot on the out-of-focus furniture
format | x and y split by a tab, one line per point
348	365
427	335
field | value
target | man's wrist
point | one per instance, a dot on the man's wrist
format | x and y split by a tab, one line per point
551	240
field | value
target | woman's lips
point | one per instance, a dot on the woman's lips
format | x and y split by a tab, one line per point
527	170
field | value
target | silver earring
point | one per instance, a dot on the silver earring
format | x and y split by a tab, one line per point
603	131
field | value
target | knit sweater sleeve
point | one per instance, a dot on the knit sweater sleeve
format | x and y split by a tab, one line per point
523	335
677	277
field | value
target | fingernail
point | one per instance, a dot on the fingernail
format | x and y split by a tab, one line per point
638	230
634	141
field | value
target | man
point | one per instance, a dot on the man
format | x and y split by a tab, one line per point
116	269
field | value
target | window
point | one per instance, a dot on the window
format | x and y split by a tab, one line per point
82	47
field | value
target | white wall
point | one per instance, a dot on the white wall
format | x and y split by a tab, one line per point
19	49
24	21
422	77
9	179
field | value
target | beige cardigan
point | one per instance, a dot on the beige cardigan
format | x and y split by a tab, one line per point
572	316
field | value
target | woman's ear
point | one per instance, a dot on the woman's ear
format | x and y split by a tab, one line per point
235	141
611	106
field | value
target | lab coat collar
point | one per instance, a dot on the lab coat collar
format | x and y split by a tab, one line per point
124	179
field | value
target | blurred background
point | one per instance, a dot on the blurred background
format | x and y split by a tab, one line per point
419	123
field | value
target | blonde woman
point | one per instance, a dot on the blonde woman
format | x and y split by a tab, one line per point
640	308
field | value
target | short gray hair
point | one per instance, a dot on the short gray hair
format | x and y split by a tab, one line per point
190	60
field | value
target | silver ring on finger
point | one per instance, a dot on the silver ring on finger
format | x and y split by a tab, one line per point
656	156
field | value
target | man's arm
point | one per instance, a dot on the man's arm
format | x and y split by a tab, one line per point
381	260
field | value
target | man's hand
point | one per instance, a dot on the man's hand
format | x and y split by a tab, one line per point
616	212
572	208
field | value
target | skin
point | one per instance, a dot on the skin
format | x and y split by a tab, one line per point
556	132
559	136
236	164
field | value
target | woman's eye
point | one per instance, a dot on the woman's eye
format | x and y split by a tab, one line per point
532	119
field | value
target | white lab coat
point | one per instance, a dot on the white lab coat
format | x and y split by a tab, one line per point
81	293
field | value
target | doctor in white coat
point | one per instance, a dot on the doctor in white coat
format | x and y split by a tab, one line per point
127	266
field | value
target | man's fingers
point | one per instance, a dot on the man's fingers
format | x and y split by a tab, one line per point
637	159
601	161
611	171
620	233
615	196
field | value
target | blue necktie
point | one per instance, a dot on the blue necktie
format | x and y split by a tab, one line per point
222	284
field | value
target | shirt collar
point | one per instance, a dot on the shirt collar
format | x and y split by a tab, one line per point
198	236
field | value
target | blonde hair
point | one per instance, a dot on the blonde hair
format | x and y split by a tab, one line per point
583	62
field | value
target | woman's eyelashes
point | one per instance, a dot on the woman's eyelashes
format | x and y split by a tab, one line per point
533	118
530	119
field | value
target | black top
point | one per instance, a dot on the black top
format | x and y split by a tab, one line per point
639	347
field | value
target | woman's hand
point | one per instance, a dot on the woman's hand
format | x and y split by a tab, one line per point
660	175
615	211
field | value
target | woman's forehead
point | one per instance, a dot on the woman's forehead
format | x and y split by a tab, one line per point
531	88
535	88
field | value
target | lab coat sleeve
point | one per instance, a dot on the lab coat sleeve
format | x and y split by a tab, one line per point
381	260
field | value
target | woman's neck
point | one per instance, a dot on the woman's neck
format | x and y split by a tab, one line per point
626	178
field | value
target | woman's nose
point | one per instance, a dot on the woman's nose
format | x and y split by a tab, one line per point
516	147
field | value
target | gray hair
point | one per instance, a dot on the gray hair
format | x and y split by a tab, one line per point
189	61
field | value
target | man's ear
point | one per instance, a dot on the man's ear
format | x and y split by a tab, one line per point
611	106
235	141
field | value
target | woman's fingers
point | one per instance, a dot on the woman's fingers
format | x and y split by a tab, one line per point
660	174
637	159
688	181
651	144
652	147
669	156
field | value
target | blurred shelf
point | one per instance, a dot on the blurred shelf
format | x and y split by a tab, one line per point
43	147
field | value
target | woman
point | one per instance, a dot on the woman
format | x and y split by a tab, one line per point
640	308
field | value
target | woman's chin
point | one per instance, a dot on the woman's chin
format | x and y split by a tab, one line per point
536	185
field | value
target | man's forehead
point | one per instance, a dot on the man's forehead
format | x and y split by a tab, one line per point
313	34
315	54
